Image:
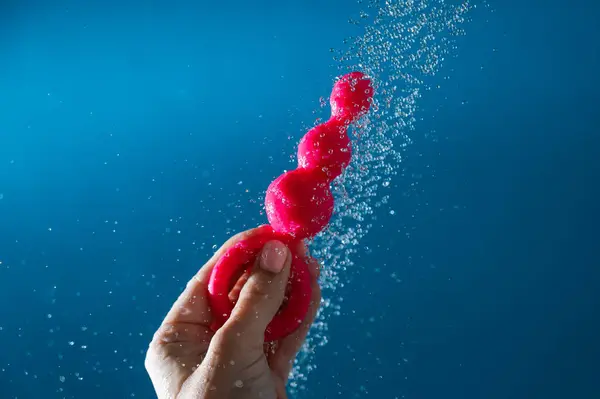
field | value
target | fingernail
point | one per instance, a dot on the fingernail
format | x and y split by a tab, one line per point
273	256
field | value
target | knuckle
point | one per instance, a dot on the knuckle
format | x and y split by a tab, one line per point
236	337
257	288
227	336
225	343
166	333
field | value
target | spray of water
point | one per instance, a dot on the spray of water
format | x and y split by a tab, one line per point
404	43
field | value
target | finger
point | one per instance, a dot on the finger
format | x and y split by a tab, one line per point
282	360
192	305
234	294
314	267
270	348
262	295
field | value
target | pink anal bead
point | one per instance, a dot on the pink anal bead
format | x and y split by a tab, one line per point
299	203
326	147
350	98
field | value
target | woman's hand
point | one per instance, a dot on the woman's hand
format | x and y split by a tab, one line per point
186	359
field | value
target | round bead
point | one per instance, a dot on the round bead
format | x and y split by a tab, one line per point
299	203
350	97
326	147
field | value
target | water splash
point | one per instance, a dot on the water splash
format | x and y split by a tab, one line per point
405	42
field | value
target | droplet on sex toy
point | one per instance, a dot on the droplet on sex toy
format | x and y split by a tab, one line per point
326	147
299	203
351	97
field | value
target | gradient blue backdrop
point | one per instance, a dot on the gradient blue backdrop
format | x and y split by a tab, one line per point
124	123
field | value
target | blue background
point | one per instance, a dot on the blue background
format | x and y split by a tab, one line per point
125	129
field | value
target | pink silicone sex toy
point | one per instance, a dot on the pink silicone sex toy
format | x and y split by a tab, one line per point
299	204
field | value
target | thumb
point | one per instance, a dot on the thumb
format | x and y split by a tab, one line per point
263	293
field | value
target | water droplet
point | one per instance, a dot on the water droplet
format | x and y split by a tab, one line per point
405	43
